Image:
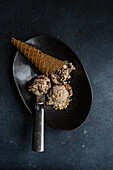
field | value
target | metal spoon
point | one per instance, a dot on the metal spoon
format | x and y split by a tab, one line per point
38	131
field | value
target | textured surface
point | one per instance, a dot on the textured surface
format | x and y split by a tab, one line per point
88	29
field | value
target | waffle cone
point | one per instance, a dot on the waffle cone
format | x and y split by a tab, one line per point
45	63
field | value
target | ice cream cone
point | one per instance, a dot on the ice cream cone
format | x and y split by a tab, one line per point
45	63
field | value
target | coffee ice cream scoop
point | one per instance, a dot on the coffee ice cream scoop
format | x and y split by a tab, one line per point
58	97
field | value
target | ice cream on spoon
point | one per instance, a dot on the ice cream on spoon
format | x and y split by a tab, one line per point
41	85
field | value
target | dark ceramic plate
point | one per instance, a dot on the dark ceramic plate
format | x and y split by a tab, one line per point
78	109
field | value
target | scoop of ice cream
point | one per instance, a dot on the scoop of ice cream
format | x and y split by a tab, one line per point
63	75
41	85
59	93
58	97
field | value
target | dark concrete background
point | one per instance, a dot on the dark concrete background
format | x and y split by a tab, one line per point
87	27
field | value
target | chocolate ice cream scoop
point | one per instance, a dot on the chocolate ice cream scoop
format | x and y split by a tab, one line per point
63	75
41	85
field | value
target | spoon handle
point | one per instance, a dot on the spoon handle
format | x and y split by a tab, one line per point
38	131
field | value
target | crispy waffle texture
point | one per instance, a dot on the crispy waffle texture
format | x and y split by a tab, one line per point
45	63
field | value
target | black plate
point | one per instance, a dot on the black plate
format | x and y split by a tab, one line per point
79	108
